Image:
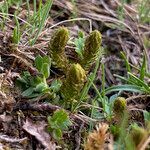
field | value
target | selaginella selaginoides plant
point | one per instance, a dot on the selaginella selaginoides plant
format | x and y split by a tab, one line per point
91	49
58	42
120	109
56	48
74	82
119	106
75	72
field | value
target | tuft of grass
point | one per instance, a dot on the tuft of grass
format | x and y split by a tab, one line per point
16	33
135	83
144	11
39	18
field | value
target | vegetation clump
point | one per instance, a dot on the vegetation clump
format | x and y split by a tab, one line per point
89	53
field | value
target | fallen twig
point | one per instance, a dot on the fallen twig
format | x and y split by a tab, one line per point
5	138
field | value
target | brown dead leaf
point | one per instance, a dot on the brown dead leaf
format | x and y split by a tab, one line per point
5	121
7	102
38	130
5	118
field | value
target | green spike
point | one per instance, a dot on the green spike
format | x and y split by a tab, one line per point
119	106
57	45
74	82
91	49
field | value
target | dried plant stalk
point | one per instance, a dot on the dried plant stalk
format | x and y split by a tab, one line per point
96	139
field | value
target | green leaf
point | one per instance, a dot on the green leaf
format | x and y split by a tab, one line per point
143	69
36	80
44	12
113	97
65	125
146	115
22	80
41	87
25	76
136	81
47	59
79	43
140	82
46	70
16	33
57	134
95	113
58	122
60	119
49	119
15	36
28	92
126	87
126	61
55	86
60	116
124	79
38	62
81	34
33	95
52	124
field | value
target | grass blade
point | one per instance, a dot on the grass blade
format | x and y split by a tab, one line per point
126	87
143	68
126	61
139	82
45	13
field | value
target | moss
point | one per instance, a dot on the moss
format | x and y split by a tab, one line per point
91	49
56	48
